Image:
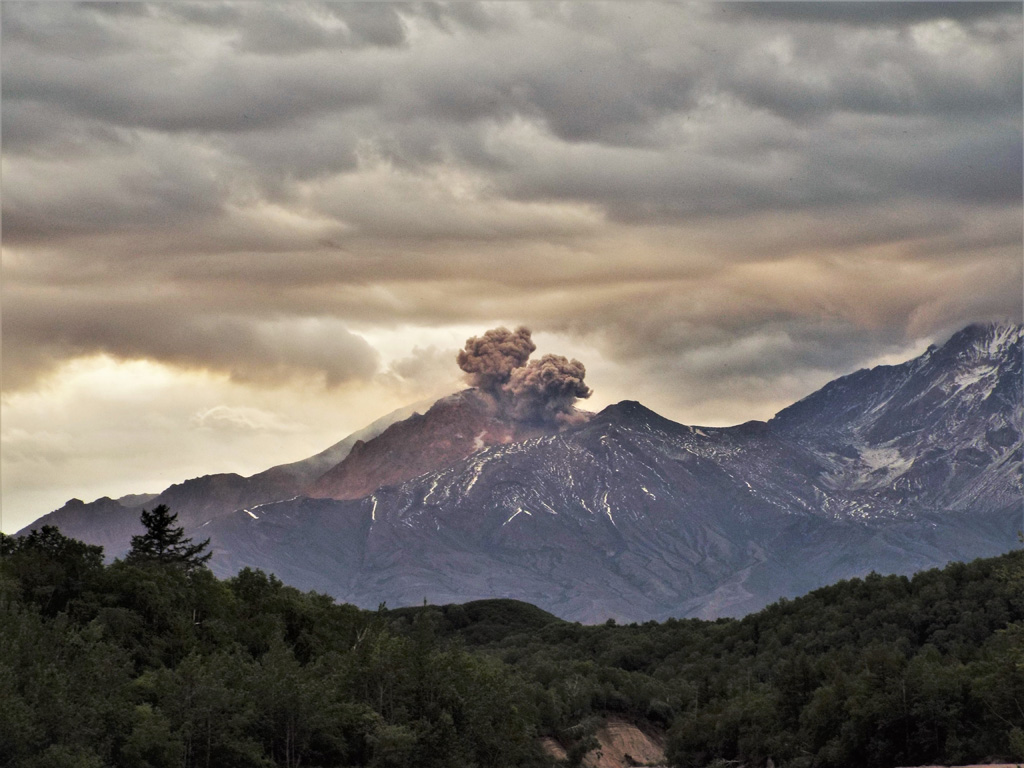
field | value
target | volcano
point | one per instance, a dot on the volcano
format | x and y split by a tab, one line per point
628	515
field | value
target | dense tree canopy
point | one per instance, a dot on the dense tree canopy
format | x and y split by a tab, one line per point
144	662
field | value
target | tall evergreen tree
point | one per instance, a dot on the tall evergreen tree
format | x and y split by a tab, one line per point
165	543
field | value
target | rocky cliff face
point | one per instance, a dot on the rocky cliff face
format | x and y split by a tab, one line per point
621	744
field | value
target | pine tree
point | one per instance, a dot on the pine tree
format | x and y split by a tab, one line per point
165	543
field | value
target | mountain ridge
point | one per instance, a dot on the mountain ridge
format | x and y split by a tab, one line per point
451	429
633	516
112	522
629	515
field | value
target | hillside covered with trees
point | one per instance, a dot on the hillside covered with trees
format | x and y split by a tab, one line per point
151	661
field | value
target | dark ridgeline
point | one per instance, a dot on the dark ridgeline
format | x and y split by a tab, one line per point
628	515
631	516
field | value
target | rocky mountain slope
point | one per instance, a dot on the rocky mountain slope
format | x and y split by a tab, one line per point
112	522
452	429
941	431
631	516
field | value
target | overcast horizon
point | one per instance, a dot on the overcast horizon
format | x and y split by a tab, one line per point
236	232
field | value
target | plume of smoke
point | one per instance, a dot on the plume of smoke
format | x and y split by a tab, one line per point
546	389
489	360
539	392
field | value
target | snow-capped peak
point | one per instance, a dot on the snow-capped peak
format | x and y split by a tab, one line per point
998	338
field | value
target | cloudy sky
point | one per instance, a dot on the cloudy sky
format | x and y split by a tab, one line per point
233	233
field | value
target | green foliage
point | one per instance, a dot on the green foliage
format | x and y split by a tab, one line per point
1016	744
150	662
47	568
884	671
150	744
164	543
61	756
64	690
875	671
137	664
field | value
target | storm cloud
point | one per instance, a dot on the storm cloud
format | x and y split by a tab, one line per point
717	206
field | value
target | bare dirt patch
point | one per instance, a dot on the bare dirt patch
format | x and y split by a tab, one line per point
553	748
624	745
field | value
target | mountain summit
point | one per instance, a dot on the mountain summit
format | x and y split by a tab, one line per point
941	431
452	429
628	515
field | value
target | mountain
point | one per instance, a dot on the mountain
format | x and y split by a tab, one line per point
941	431
399	446
111	523
452	429
631	516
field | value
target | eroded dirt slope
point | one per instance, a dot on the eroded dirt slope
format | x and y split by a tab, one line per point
622	745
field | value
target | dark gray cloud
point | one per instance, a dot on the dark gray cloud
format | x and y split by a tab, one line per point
129	191
170	93
877	13
619	83
41	331
620	174
285	29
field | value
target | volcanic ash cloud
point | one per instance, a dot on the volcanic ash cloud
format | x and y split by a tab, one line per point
538	391
547	389
489	360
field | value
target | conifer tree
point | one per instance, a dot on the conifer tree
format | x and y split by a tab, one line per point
165	543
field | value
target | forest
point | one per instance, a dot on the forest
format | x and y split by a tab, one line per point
152	661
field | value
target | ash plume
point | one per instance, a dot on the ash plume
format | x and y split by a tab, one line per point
538	392
489	360
546	389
